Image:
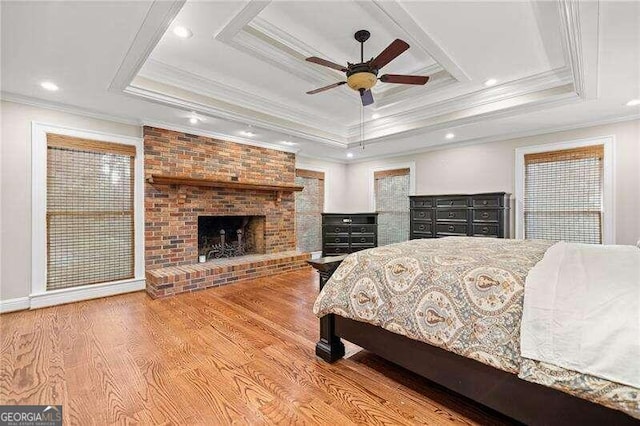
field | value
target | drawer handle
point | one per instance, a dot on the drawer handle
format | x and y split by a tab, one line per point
338	250
421	214
346	220
450	203
363	240
485	202
363	229
485	214
337	240
485	230
421	227
452	228
337	229
452	214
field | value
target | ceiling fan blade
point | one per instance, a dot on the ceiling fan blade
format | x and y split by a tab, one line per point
326	63
404	79
390	53
367	97
322	89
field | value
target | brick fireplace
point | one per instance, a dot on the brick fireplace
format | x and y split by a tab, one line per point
173	212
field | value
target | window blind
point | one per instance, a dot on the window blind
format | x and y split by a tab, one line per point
309	207
392	205
563	195
90	213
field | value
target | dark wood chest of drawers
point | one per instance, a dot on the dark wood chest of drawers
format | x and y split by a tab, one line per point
480	215
348	232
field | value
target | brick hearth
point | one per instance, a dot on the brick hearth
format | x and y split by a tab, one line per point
171	211
189	278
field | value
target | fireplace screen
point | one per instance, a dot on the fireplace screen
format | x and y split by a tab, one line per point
229	236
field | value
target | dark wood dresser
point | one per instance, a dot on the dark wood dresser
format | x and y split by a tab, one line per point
348	232
480	215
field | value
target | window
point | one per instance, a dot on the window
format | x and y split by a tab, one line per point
392	204
564	192
89	212
309	208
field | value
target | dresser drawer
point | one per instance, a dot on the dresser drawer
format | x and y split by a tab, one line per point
485	230
336	239
419	236
363	229
422	214
451	229
422	202
358	247
488	201
331	250
452	202
422	228
336	220
362	239
335	229
486	215
451	215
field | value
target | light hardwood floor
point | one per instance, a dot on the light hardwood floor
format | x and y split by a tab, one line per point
243	353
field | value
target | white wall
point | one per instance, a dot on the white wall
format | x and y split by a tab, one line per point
15	186
490	168
476	168
334	184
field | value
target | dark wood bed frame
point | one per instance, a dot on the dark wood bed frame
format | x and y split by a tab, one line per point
523	401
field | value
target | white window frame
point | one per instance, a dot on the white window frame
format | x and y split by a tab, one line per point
40	296
302	166
608	196
411	165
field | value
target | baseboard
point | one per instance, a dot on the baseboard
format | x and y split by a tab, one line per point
17	304
68	295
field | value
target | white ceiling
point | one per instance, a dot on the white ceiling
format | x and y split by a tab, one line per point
557	64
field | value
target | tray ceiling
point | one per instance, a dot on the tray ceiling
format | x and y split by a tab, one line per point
243	70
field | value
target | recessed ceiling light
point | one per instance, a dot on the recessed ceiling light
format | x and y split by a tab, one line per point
490	82
182	32
194	120
248	134
349	154
47	85
374	116
449	136
633	102
288	143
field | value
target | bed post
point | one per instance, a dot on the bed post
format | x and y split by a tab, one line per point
329	347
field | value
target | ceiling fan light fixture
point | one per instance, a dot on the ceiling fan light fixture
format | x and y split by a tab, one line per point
362	80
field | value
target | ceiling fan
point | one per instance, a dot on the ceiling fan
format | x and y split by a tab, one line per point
363	76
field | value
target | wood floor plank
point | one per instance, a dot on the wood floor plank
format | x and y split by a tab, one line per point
238	354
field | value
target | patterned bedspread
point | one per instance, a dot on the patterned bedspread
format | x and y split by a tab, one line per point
463	294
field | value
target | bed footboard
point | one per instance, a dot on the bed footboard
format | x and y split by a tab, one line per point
330	348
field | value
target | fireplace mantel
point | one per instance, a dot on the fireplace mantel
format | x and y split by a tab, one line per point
212	183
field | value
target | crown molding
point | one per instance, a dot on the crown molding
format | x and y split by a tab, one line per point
174	76
420	37
442	145
581	54
481	98
217	135
253	35
69	109
155	24
190	101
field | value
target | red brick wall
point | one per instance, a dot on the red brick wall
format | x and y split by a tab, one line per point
171	212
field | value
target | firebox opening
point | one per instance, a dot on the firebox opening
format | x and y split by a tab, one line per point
230	236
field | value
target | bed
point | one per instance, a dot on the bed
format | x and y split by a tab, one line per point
453	310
